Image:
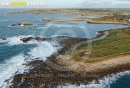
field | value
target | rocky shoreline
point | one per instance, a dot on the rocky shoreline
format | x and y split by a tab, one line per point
60	69
47	77
42	69
89	20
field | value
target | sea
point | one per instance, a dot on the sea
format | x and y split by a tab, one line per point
14	53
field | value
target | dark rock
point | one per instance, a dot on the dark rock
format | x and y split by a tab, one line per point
39	39
14	25
4	39
26	39
22	24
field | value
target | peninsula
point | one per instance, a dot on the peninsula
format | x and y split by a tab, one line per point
110	53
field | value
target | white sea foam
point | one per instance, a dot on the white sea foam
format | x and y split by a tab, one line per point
9	67
16	40
103	83
3	41
44	49
107	81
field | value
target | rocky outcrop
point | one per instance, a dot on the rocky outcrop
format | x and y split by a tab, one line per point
22	24
39	39
27	39
3	39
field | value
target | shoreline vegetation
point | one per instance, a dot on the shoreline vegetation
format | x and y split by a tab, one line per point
109	54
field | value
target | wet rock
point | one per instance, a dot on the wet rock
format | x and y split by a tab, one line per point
26	39
99	33
22	24
39	39
34	63
3	39
14	25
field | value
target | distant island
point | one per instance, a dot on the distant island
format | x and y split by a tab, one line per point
115	18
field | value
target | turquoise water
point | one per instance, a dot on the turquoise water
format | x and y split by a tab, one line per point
13	51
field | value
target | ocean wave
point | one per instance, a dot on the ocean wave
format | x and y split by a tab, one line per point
15	65
9	67
103	83
16	40
44	49
107	81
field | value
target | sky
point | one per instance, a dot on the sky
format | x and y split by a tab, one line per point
81	3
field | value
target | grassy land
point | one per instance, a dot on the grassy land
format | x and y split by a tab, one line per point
116	43
124	19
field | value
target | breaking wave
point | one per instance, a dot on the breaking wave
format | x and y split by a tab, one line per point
15	65
103	83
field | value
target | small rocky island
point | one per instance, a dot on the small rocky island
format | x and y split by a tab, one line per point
22	24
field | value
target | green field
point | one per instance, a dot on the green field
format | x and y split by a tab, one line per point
116	43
